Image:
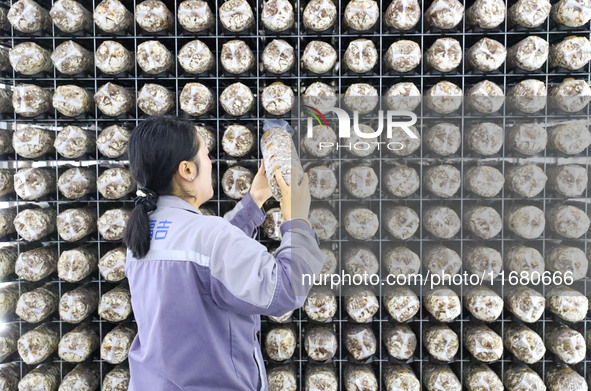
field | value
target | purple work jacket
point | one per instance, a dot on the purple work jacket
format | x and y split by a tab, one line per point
199	293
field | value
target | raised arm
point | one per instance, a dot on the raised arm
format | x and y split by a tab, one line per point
246	215
246	278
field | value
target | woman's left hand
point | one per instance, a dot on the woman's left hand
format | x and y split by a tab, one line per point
260	190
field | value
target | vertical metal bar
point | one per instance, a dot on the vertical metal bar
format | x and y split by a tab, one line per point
463	130
545	119
300	123
503	168
217	93
16	168
340	298
96	195
421	205
381	153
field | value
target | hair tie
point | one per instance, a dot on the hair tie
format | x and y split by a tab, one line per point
146	198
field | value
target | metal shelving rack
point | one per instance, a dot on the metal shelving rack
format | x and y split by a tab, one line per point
257	38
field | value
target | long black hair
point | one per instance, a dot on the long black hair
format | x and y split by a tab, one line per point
156	148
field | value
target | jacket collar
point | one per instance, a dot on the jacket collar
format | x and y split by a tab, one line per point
176	202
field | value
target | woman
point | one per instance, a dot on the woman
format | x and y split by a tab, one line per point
200	283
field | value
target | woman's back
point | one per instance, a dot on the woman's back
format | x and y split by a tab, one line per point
199	292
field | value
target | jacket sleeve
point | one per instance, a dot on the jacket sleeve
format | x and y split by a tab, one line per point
246	215
245	278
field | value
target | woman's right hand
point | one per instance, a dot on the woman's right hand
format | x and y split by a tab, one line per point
295	202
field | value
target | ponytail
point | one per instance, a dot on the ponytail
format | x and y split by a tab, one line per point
156	148
138	239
